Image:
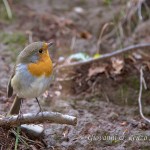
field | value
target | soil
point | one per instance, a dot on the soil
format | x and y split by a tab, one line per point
103	95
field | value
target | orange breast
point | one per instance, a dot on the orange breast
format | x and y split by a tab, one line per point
42	67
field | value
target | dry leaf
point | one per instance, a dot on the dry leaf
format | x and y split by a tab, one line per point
117	64
125	131
46	94
57	93
137	56
124	123
66	131
85	35
96	70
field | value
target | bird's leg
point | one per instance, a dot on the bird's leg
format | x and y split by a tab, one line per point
39	106
14	110
20	114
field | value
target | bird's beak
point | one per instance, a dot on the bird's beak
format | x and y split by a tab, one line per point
50	44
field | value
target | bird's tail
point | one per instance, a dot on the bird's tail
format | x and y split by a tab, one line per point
15	108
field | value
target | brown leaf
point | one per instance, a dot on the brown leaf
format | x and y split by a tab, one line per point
124	123
96	70
85	35
117	64
66	131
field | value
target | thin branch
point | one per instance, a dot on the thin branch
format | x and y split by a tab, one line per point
9	13
140	2
30	36
144	83
102	32
48	117
73	41
106	56
140	96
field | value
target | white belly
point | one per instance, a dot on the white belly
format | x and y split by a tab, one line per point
27	86
36	88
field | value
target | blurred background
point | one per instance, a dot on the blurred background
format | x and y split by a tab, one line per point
102	95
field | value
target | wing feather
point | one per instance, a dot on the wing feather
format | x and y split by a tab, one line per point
9	87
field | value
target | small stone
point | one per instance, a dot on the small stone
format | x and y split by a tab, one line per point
113	116
32	129
79	10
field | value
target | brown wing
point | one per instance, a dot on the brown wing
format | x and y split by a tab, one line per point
9	87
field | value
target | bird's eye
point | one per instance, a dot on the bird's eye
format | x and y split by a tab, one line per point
40	51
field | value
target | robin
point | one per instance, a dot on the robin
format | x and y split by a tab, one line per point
31	75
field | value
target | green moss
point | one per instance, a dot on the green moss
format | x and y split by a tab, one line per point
57	137
109	139
11	38
81	2
107	2
120	96
145	147
134	82
126	92
126	55
4	16
14	42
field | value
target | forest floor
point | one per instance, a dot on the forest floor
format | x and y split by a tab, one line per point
103	95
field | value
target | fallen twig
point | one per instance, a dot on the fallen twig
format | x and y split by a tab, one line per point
140	96
140	2
101	34
106	56
30	36
48	117
9	13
